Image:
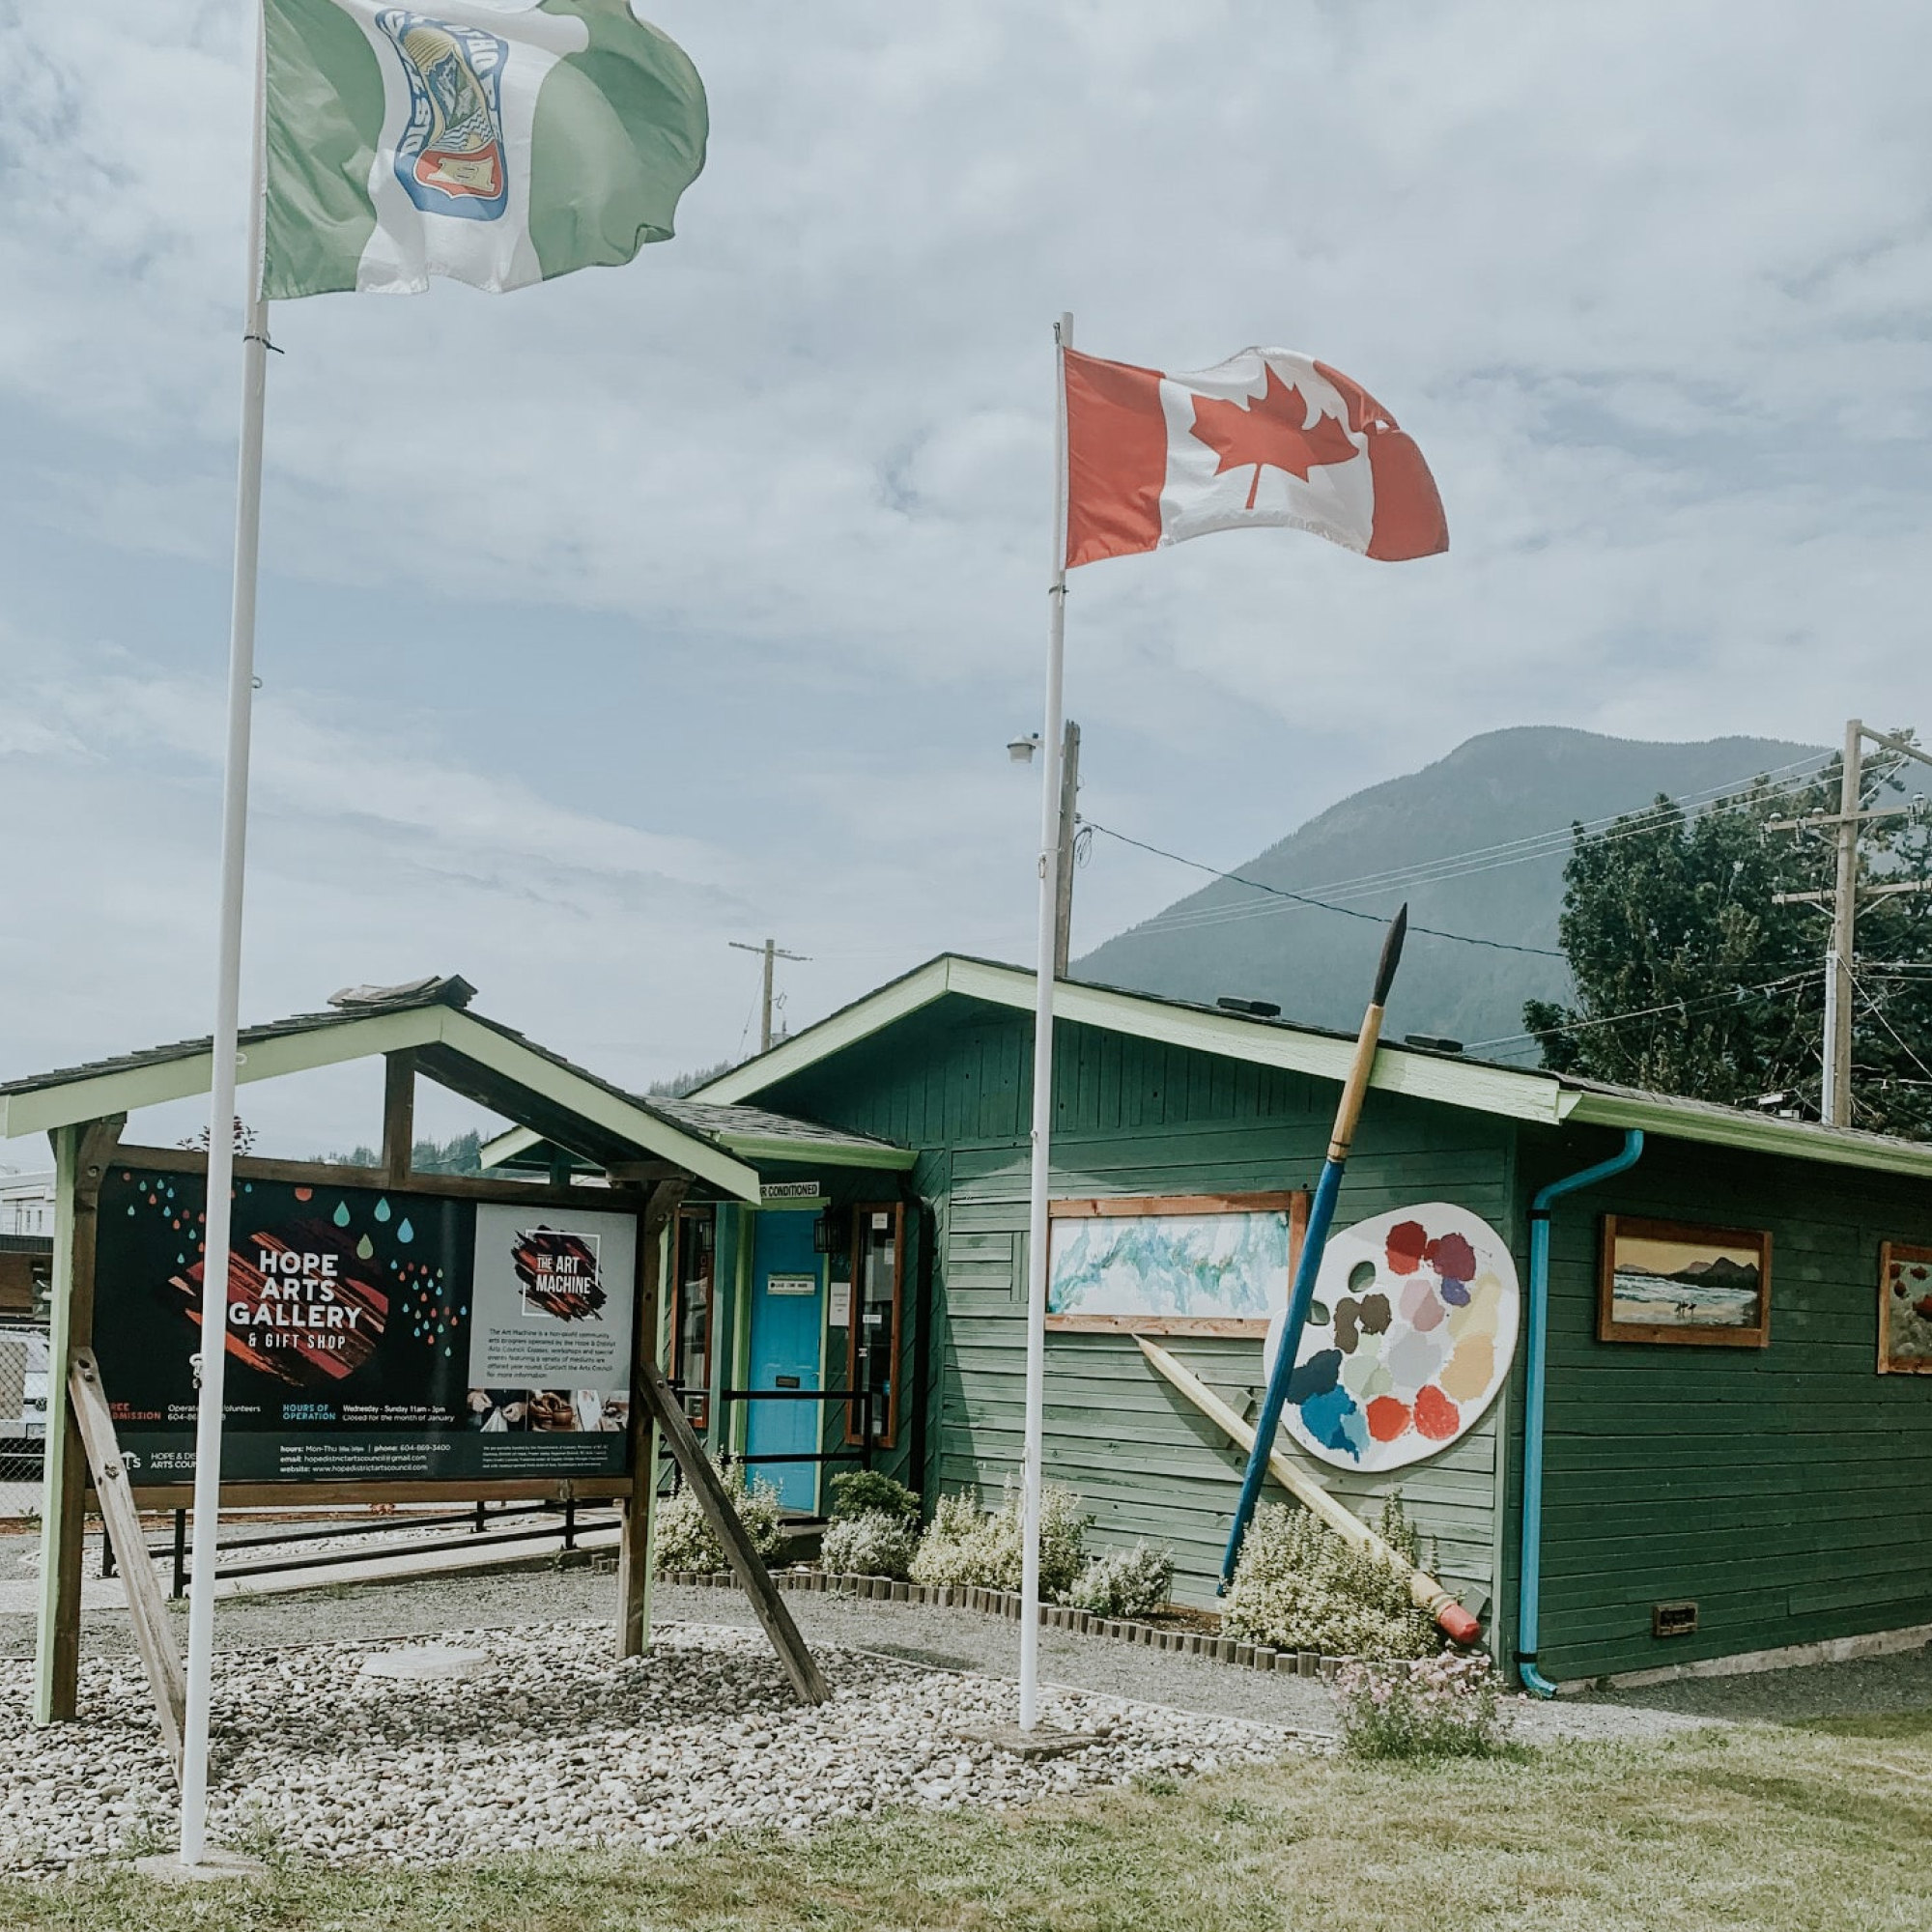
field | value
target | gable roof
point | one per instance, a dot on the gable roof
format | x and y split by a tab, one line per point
490	1063
752	1133
1531	1095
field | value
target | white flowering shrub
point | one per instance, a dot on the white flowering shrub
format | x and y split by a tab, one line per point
1126	1582
1299	1586
683	1539
964	1545
1445	1706
878	1543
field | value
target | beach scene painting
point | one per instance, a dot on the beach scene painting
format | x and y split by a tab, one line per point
1664	1281
1148	1266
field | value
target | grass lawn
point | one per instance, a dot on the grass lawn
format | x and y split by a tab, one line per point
1825	1827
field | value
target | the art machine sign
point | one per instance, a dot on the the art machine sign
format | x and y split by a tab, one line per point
370	1336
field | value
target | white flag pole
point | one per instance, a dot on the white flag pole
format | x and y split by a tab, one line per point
225	1051
1042	1055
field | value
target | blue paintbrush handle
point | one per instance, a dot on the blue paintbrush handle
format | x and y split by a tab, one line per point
1320	1213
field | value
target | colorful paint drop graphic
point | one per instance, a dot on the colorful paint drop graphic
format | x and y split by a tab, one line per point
1425	1310
382	1208
365	1249
404	1232
341	1216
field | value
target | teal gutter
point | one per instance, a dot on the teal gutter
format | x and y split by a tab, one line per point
1529	1582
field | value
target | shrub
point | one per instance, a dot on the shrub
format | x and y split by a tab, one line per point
1299	1586
683	1539
866	1493
1126	1582
1442	1707
965	1545
880	1542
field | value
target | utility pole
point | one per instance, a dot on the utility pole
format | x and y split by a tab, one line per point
1069	821
773	952
1835	1104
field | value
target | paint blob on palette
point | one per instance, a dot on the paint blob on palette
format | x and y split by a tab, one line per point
1410	1336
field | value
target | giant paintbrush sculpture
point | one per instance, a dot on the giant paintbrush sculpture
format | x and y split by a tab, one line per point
1322	1211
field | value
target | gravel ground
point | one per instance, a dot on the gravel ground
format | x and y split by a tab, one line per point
553	1741
952	1640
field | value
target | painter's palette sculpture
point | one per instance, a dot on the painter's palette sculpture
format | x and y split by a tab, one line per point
1410	1336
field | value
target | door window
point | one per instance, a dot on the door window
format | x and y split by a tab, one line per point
878	1264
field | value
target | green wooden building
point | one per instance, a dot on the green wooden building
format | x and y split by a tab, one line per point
1708	1492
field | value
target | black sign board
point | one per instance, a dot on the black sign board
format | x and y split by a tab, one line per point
371	1336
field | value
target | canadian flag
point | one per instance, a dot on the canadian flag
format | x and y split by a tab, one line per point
1267	437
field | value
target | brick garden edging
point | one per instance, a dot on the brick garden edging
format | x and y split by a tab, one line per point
1053	1616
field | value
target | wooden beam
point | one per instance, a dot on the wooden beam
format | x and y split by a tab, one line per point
327	1174
753	1578
146	1610
452	1492
634	1555
81	1155
399	1114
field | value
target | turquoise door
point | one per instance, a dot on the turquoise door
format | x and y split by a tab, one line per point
788	1328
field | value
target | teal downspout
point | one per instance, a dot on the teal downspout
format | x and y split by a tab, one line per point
1529	1581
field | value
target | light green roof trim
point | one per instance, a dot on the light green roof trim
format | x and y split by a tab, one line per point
821	1153
508	1144
842	1029
1752	1133
1494	1089
1534	1097
591	1101
158	1082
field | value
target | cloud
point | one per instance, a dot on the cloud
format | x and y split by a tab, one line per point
698	597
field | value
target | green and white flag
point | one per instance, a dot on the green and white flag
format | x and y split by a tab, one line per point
497	142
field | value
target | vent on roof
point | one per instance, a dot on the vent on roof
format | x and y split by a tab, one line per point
450	990
1256	1009
1432	1042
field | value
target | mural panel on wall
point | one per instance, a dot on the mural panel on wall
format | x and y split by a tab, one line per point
1410	1336
1904	1310
1674	1282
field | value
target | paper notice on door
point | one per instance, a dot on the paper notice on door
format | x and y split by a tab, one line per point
841	1304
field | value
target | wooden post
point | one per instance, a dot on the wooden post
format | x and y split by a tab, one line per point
748	1567
147	1611
81	1154
634	1555
399	1114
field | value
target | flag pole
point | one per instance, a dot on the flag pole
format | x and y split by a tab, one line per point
1042	1053
224	1051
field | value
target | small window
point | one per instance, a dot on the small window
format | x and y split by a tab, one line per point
878	1269
693	1303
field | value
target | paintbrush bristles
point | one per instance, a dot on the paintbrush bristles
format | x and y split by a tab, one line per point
1391	958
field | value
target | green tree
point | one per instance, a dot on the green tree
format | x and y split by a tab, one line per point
1691	978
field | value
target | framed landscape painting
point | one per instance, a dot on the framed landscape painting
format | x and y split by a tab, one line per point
1904	1310
1673	1281
1173	1264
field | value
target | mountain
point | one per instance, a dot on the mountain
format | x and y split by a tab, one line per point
1497	789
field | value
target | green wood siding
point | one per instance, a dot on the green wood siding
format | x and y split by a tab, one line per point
1782	1489
1135	1117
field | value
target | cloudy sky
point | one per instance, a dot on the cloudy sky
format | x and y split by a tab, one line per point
610	621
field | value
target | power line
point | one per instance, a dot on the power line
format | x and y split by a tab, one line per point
1464	864
1678	1006
1302	899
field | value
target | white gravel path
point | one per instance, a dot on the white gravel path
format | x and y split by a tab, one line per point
551	1742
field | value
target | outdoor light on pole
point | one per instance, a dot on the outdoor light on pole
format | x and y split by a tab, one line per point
1020	751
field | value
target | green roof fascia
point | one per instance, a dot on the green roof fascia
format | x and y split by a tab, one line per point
508	1147
845	1028
589	1101
1494	1089
508	1144
128	1088
1750	1133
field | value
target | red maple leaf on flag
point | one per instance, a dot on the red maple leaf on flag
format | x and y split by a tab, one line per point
1272	432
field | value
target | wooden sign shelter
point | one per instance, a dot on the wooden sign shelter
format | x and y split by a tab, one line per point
654	1164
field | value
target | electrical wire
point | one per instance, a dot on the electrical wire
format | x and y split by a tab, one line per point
1685	1007
1302	899
1458	865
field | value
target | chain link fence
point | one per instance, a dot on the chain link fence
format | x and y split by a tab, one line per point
23	1418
